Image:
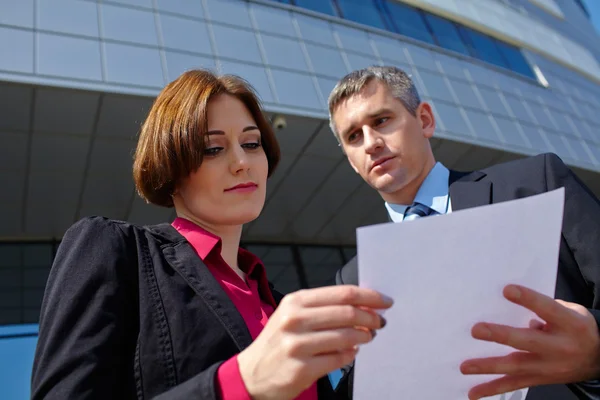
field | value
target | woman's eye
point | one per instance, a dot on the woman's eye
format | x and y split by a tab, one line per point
252	146
212	151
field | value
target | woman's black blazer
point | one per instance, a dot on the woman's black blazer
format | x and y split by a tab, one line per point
132	312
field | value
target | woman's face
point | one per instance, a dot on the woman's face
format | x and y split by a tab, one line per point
229	188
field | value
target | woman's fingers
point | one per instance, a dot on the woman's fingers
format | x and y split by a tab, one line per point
338	316
326	363
329	341
339	295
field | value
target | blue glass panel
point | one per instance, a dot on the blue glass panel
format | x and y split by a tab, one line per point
409	21
516	60
483	47
583	7
362	11
15	365
385	14
446	34
322	6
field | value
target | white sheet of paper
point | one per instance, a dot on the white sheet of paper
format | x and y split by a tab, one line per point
446	273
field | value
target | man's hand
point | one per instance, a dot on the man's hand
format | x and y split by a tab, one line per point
312	333
565	348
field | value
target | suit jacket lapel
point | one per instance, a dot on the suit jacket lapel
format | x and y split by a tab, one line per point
467	190
182	257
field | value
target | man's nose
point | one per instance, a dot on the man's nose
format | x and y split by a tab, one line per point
372	138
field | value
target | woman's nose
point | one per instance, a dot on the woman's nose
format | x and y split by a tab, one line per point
239	160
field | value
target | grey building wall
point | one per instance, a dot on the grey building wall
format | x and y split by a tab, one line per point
294	57
575	25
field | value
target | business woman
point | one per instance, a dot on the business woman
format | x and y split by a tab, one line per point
180	311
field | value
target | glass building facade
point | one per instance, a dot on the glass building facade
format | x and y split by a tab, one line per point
393	16
74	92
24	268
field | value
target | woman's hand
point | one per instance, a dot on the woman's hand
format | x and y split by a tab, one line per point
312	332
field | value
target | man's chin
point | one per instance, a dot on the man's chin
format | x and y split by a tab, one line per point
387	185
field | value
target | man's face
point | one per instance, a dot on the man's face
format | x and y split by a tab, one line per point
384	143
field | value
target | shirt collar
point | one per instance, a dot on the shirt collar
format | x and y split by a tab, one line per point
205	243
201	240
433	193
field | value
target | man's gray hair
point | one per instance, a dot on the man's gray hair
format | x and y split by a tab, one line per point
398	81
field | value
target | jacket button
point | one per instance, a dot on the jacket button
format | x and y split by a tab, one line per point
258	315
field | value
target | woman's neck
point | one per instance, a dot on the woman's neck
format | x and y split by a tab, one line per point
230	244
230	240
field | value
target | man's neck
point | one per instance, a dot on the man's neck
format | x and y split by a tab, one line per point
407	194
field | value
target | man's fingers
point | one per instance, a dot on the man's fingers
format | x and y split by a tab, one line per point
502	385
344	316
340	295
545	307
537	324
521	363
527	339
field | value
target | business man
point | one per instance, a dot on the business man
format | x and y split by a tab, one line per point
384	129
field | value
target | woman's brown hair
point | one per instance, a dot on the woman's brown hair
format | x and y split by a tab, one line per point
172	139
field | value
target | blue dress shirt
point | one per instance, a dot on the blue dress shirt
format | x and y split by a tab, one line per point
433	193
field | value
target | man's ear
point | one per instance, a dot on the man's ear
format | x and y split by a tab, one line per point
426	119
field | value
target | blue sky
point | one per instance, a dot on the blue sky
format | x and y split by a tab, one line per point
593	7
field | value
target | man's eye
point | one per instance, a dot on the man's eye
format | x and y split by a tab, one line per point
380	121
352	137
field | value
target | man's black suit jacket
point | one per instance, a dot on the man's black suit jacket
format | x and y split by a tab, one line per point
578	278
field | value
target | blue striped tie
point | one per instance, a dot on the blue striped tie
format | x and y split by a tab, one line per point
418	210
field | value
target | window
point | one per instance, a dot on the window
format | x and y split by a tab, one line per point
549	6
483	47
349	253
321	264
24	269
583	8
408	21
362	11
515	59
415	23
446	34
322	6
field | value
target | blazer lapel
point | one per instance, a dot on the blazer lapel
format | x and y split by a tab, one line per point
182	257
468	191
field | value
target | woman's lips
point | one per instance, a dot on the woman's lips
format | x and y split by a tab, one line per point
243	188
